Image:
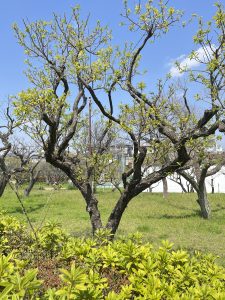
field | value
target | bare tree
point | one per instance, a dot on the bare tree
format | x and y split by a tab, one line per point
33	173
49	174
5	135
185	186
15	157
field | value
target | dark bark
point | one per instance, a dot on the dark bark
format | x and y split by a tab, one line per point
212	185
84	188
3	183
92	209
116	214
29	188
33	180
138	184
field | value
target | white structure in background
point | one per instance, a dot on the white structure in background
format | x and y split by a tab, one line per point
123	153
173	187
218	181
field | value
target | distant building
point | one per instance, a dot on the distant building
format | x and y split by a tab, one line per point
124	152
217	181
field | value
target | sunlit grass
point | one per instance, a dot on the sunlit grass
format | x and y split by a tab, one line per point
176	218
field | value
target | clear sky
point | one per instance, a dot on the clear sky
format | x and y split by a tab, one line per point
158	56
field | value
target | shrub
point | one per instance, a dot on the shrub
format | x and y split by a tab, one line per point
96	268
51	239
12	234
15	283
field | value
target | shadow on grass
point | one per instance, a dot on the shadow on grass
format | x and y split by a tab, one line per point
182	207
219	207
166	216
143	228
195	213
18	209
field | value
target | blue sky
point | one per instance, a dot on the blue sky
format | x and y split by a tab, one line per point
178	42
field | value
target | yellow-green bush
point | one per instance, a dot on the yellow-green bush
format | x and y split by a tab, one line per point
63	267
15	281
12	233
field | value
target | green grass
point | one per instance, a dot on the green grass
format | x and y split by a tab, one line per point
176	218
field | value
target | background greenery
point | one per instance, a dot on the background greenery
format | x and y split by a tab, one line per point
175	218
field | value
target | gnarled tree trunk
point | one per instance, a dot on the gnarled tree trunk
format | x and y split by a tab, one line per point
116	214
199	186
203	201
91	207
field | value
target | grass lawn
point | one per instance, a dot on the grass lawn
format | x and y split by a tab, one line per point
176	218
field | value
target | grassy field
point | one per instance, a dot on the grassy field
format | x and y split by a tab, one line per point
176	218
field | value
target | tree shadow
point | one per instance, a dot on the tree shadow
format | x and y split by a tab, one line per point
167	216
181	206
18	209
219	207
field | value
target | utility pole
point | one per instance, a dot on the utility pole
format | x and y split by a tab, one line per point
92	178
90	127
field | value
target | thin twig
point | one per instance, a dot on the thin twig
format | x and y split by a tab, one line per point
24	211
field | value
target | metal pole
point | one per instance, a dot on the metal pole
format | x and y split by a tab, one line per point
92	178
89	127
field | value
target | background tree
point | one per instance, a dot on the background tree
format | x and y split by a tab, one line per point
5	135
21	165
34	173
15	156
204	163
185	186
50	175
